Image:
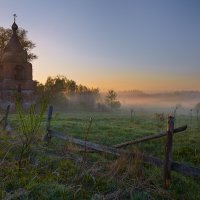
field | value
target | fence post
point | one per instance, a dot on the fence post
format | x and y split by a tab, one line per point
6	117
47	137
168	152
132	113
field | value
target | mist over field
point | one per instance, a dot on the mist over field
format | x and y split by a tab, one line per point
164	102
160	102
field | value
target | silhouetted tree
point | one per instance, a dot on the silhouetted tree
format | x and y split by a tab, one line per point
111	100
71	87
65	92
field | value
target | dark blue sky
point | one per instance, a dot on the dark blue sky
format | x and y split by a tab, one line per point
120	44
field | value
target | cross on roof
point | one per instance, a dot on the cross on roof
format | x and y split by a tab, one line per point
15	16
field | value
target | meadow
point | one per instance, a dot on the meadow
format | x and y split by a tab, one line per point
61	170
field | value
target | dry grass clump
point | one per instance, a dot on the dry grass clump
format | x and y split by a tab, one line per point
127	166
70	148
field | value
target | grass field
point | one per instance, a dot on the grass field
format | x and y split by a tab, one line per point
60	170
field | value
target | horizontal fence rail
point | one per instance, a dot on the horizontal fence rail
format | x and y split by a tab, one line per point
149	137
175	166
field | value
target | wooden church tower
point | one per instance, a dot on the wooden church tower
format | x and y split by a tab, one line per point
15	74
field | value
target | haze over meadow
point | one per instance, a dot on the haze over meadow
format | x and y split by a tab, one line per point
151	46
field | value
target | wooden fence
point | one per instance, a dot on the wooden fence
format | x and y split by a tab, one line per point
167	164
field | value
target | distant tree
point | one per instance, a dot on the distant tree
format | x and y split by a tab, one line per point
81	88
56	84
111	96
111	100
71	87
49	83
64	92
28	45
55	90
39	89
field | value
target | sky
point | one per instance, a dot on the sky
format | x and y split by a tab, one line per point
149	45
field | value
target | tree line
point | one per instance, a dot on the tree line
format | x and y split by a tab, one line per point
67	94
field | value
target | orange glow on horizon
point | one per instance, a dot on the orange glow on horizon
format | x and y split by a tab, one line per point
143	82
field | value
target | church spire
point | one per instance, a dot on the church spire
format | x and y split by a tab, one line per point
14	26
13	51
15	16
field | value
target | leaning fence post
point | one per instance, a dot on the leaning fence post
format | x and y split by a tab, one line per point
47	137
6	117
168	152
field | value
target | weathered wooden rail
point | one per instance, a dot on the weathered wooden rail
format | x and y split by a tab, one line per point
149	137
167	164
175	166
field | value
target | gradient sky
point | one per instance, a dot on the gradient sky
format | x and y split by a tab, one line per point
151	45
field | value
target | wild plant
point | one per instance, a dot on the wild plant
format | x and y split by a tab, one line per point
160	120
174	112
127	166
28	129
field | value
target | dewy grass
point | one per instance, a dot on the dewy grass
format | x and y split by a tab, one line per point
60	176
